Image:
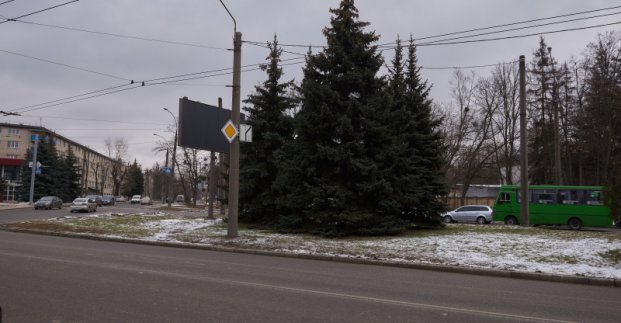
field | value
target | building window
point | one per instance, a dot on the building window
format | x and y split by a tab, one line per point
13	131
11	156
12	144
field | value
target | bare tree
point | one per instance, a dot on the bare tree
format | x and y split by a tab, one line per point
467	129
117	151
505	120
194	167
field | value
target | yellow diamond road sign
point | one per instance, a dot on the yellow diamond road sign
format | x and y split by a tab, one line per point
230	131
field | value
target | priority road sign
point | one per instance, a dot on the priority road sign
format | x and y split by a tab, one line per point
230	131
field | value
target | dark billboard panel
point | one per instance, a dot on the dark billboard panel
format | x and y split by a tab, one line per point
200	126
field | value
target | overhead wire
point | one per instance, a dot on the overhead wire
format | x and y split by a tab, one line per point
518	28
170	42
38	11
514	23
64	65
139	84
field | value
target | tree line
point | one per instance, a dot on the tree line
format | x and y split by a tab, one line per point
574	133
348	151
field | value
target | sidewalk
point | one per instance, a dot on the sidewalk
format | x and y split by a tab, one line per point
10	206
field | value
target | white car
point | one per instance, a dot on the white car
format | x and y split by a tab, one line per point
481	214
135	199
83	204
146	201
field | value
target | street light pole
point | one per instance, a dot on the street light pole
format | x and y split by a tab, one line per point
174	154
235	116
165	166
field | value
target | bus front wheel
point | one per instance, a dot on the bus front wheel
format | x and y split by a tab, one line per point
574	224
511	220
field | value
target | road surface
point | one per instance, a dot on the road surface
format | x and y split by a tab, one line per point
55	279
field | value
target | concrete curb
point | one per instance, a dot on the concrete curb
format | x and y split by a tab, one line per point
609	282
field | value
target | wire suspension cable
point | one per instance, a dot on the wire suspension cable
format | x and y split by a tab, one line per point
39	11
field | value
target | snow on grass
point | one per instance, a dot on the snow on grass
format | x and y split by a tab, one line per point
550	251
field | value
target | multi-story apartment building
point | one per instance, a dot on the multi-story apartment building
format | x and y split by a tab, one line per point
17	139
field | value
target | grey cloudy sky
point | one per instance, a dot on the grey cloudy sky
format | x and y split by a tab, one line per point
29	46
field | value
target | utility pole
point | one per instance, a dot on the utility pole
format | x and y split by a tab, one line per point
234	168
174	155
234	163
33	169
557	137
523	147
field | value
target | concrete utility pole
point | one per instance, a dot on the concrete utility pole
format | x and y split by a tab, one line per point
234	163
523	147
33	169
174	155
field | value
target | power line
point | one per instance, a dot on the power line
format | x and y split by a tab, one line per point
5	2
518	36
64	65
98	120
487	28
515	23
519	28
170	42
38	11
465	67
134	85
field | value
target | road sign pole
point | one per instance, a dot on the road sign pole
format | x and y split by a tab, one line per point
234	170
33	169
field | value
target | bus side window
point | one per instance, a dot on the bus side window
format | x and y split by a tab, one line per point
592	198
568	197
504	198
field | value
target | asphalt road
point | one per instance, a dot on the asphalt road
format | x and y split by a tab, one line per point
54	279
24	214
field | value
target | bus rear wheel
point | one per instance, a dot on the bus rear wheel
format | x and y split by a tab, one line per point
574	224
510	220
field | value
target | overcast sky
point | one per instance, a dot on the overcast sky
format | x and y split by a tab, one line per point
43	60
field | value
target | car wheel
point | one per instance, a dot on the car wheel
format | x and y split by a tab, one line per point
481	220
511	220
447	219
574	224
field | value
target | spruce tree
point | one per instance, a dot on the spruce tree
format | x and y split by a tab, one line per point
427	143
330	182
272	127
134	184
70	177
47	182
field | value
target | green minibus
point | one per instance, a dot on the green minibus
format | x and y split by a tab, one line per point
575	206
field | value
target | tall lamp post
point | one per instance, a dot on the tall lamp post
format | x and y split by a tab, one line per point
165	165
174	155
235	116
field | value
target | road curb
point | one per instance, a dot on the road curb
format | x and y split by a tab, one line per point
609	282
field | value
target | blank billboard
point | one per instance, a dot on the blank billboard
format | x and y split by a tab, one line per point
200	126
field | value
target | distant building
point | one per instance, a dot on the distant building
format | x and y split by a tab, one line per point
17	139
476	194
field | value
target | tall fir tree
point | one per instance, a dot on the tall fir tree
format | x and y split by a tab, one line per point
541	149
330	182
427	140
134	183
418	181
270	117
69	176
46	183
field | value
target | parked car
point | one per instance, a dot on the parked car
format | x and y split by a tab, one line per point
121	198
146	201
97	199
480	214
135	199
180	199
108	200
48	202
83	204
